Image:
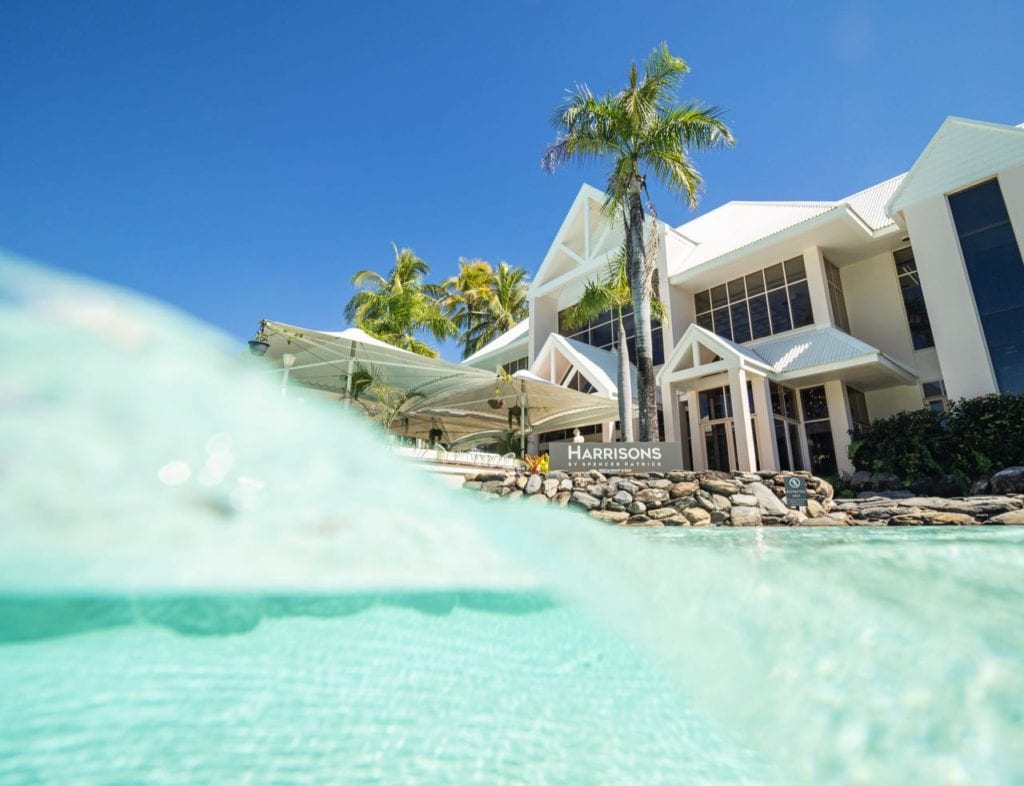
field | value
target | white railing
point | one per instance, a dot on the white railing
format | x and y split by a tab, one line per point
473	458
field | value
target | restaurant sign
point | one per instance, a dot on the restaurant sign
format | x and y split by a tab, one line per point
616	456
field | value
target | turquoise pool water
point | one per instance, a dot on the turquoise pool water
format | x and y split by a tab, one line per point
201	582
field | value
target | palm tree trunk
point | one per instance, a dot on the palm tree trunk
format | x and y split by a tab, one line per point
625	386
641	271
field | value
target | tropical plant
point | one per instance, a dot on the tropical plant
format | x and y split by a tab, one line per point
397	308
484	303
613	293
642	129
381	401
508	442
538	465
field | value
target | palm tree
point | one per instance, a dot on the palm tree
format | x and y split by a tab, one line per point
396	308
641	129
484	303
613	293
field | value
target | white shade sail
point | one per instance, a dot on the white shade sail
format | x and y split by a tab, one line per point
452	397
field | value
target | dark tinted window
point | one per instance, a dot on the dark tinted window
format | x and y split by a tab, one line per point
996	271
913	299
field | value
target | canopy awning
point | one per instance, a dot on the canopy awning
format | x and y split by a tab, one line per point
452	397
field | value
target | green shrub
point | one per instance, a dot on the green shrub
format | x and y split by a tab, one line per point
986	434
976	437
907	444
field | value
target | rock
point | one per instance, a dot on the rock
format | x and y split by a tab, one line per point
824	489
698	517
821	521
718	517
622	497
720	502
599	490
651	497
637	519
1012	517
636	507
746	500
533	484
675	521
557	474
662	513
614	516
629	487
814	509
537	498
683	488
643	521
564	484
609	505
743	516
717	483
472	485
551	487
944	518
509	481
521	482
562	498
705	500
980	486
514	494
492	486
1008	481
486	476
766	499
748	477
584	500
681	476
661	483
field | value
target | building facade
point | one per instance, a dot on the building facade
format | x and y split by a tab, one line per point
787	324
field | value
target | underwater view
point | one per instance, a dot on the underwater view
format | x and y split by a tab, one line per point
202	581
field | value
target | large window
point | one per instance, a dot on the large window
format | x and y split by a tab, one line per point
913	299
603	332
786	416
516	365
996	270
934	395
769	301
835	296
858	409
819	431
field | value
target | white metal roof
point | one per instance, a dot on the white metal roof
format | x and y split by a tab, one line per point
870	203
509	338
961	152
804	349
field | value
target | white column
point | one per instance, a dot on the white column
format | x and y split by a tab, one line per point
746	460
767	449
817	284
696	435
839	419
670	410
608	431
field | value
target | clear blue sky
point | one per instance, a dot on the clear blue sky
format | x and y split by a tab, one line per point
241	160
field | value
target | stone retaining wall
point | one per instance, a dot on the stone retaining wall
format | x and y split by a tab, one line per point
738	499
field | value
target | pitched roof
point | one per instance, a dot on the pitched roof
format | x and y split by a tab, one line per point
505	340
607	362
961	152
800	350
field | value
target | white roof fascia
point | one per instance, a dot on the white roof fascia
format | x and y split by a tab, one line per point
594	374
508	340
971	162
586	191
839	212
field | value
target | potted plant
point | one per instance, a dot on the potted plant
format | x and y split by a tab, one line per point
259	345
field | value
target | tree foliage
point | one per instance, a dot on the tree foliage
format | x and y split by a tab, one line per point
483	302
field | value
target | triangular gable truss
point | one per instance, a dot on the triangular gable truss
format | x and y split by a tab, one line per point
586	241
701	353
960	153
558	362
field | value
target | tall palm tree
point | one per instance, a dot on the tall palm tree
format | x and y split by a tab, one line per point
396	308
484	303
642	130
612	293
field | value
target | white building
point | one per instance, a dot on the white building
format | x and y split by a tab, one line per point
809	317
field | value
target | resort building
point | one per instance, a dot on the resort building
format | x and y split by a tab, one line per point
789	323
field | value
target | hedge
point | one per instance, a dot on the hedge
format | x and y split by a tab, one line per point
976	437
